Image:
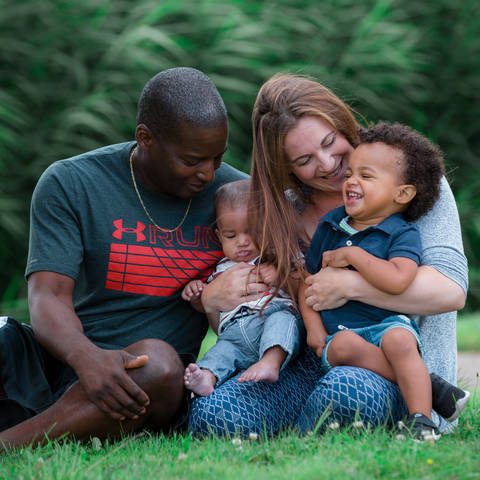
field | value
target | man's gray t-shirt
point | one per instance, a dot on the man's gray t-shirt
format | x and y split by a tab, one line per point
87	223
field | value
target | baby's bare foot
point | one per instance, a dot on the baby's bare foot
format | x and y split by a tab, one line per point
198	380
260	372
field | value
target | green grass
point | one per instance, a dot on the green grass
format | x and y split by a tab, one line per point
351	453
348	454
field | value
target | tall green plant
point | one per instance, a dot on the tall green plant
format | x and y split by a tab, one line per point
71	73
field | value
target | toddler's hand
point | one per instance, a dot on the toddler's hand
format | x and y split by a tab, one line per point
192	291
336	258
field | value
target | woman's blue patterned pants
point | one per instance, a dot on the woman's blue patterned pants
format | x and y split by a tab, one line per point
298	400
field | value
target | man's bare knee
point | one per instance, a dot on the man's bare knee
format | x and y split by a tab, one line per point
163	367
161	378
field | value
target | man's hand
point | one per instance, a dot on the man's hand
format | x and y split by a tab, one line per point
103	376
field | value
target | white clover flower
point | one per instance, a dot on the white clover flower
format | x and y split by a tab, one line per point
96	444
253	437
334	425
358	424
181	456
39	463
429	439
237	442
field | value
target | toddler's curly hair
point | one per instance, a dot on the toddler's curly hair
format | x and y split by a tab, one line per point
423	163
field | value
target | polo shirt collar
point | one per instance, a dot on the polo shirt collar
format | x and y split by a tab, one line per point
389	225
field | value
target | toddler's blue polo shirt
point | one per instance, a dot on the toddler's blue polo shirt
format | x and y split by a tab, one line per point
394	237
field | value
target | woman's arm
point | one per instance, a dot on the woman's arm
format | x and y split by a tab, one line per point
431	292
390	276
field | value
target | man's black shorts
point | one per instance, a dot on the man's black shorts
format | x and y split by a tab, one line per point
31	378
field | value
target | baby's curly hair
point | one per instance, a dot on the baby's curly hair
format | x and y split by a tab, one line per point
423	163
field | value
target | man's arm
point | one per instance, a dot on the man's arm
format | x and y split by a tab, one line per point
392	276
101	373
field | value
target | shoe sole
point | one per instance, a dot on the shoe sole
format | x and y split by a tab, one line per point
459	407
430	437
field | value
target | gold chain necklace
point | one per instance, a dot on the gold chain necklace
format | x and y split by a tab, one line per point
145	208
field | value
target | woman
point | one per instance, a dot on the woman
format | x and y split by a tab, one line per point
303	135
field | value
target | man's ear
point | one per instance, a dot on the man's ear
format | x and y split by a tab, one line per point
144	137
405	194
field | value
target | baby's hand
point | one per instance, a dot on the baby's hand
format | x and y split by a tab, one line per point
268	273
336	258
192	291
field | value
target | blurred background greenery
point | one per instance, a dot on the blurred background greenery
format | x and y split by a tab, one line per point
71	73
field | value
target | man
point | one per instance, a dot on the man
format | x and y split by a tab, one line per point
115	235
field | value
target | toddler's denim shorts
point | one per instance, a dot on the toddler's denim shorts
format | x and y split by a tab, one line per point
374	334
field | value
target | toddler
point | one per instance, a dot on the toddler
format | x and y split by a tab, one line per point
393	178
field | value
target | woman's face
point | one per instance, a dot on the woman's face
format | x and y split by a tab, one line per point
318	154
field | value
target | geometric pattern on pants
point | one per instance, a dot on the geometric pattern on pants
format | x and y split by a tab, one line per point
298	399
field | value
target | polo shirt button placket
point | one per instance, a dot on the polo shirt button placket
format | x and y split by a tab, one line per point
348	243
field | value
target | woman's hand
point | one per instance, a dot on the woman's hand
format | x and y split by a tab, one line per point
328	288
234	286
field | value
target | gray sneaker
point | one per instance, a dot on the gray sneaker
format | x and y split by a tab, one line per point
418	426
447	399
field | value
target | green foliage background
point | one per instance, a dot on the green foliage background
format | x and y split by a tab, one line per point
71	73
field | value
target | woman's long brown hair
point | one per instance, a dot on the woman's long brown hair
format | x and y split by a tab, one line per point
280	103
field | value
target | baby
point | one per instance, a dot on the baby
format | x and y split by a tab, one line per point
393	177
261	335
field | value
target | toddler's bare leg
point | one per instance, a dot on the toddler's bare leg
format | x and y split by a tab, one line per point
400	348
348	348
267	368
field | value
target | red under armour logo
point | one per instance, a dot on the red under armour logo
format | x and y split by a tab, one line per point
120	229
